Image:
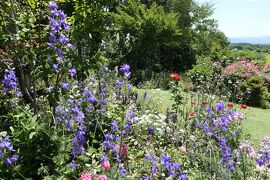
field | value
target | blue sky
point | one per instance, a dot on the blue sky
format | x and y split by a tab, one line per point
242	18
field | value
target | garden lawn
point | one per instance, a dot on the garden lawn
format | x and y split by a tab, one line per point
257	121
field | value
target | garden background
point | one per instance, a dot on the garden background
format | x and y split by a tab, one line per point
129	89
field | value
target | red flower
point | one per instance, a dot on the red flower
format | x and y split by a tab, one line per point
230	105
203	103
192	113
243	106
193	103
175	76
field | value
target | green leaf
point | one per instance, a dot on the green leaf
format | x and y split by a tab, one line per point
3	133
31	135
32	3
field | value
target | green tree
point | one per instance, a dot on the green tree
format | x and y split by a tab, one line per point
150	29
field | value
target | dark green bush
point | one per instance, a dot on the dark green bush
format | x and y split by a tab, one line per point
256	91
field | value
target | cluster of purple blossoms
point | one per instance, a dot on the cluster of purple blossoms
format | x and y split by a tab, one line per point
6	146
58	37
10	82
130	120
70	112
172	168
89	96
226	154
264	159
153	159
79	141
217	124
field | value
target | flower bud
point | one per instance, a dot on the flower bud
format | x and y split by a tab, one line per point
106	165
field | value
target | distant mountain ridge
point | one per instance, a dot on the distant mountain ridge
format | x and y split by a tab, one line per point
251	40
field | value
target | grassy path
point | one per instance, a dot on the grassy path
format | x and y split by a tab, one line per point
257	121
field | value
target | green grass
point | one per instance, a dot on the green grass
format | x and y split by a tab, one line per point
257	121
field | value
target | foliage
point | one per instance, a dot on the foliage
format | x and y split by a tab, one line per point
149	30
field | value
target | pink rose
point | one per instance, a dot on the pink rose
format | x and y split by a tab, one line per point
106	165
86	176
102	177
182	149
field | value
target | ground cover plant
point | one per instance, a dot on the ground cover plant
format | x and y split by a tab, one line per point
64	117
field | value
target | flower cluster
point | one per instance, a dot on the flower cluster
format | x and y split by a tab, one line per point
6	148
264	154
226	154
153	159
58	38
10	82
244	67
172	168
70	112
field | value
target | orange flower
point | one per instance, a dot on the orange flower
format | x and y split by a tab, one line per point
193	103
192	113
230	105
243	106
175	76
203	103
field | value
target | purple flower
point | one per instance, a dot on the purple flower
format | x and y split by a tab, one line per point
11	160
103	158
61	14
151	130
73	165
207	129
9	81
5	144
63	39
65	86
55	67
59	59
50	89
154	168
114	126
72	72
79	141
69	46
53	6
125	69
147	177
122	171
118	84
52	36
183	176
220	106
1	154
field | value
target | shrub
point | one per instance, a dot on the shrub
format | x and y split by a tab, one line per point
257	91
